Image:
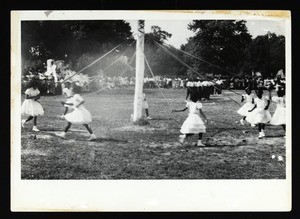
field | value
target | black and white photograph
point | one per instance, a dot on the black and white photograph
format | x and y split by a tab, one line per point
154	106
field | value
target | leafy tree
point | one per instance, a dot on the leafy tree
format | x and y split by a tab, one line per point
161	63
33	50
221	42
74	41
266	54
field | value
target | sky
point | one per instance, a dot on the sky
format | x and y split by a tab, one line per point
180	33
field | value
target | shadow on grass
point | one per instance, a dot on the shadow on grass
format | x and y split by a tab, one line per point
219	130
161	118
241	144
109	140
99	140
275	136
61	130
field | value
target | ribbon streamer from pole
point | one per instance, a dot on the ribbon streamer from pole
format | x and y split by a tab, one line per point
97	76
156	82
93	62
189	67
101	89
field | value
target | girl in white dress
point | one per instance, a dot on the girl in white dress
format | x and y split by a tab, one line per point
193	124
145	106
260	114
249	99
31	106
68	92
279	116
80	115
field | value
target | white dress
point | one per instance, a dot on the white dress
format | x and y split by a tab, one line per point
80	115
145	103
32	107
244	110
279	115
193	124
259	114
68	92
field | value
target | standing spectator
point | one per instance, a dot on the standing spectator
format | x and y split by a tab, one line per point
247	82
231	83
260	83
199	90
279	83
219	84
145	106
181	83
169	83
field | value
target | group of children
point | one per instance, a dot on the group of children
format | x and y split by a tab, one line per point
79	115
203	89
255	111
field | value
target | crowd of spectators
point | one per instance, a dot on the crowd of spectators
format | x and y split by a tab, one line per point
51	82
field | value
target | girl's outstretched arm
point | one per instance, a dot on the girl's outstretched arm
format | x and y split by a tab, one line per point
81	102
270	91
268	104
252	108
31	97
64	103
179	110
37	97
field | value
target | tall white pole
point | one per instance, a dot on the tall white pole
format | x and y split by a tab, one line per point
139	72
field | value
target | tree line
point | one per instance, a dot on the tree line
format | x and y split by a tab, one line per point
225	46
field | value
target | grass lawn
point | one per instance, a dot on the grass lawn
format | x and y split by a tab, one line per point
127	151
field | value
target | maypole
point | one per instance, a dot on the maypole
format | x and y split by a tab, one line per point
139	72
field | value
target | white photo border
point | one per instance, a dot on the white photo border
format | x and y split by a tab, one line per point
142	195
